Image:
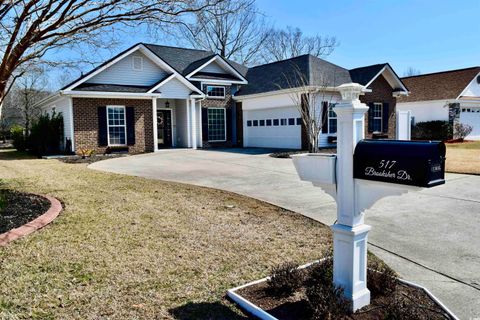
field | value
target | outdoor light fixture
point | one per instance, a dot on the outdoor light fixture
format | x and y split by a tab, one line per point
167	104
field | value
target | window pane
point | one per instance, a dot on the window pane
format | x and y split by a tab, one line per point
332	125
377	125
255	123
283	122
249	123
215	91
117	135
291	121
269	122
216	124
116	125
275	122
262	123
299	121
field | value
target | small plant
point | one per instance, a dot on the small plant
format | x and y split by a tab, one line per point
461	130
285	279
84	152
402	309
381	280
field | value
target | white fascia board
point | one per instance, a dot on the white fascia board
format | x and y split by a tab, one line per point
310	89
216	81
111	95
173	75
376	76
224	64
387	67
49	99
474	79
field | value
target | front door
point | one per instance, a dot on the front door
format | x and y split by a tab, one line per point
164	128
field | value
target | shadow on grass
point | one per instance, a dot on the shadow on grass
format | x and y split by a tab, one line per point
205	310
12	154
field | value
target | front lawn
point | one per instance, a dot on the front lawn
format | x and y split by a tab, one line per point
463	157
132	248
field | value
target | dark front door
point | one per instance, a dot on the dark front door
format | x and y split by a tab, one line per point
164	131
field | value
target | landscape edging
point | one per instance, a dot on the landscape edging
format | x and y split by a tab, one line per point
34	225
258	312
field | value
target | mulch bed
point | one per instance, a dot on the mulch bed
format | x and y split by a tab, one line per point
297	307
19	208
91	159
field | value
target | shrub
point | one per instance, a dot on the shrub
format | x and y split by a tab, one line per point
461	130
381	280
402	309
325	299
432	130
46	134
285	279
18	137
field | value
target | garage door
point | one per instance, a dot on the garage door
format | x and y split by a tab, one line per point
471	116
272	128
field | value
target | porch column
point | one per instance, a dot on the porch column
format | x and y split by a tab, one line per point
155	127
189	124
194	123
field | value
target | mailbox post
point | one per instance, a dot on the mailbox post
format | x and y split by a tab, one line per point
363	172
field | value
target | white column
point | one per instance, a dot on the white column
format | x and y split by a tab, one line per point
194	123
189	124
350	234
155	126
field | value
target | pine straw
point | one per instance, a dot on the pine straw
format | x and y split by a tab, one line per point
133	248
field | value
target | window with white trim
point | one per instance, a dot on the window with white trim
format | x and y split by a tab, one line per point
332	119
137	63
117	129
377	117
217	92
216	124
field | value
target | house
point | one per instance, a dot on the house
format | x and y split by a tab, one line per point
272	119
452	96
151	97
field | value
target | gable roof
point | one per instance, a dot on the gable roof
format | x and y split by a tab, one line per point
285	73
439	85
364	75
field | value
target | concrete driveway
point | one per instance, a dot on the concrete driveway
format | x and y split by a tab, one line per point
430	237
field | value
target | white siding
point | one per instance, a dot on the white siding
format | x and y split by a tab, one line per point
213	67
181	123
122	72
62	105
473	89
174	89
426	110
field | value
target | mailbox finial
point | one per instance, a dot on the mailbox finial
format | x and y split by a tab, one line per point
351	91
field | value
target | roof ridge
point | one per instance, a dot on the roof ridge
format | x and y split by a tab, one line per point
175	47
278	61
369	66
439	72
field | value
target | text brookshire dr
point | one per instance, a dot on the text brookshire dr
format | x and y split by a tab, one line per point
399	175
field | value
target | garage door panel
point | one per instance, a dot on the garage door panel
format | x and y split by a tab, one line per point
282	136
471	117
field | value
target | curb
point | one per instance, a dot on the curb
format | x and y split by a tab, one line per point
34	225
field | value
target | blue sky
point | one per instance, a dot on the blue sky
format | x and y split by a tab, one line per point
426	35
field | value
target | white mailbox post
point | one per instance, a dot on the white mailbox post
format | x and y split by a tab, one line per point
390	164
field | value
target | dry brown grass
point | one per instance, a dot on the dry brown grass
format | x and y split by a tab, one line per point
132	248
463	157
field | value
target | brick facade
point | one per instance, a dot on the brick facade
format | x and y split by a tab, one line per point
381	92
85	119
226	103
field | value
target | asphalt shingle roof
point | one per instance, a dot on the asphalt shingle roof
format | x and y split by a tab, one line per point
111	88
439	85
363	75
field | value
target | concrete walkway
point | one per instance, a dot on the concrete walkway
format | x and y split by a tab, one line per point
430	237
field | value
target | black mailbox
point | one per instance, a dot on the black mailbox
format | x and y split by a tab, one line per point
416	163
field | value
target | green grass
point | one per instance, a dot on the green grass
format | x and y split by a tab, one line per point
132	248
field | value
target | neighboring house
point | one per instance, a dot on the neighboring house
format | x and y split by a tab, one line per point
272	119
452	96
151	97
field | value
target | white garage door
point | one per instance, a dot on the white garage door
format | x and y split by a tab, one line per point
272	128
471	116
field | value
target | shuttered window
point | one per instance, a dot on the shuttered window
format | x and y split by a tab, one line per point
377	117
332	119
116	126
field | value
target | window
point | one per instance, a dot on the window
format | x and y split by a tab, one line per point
299	121
283	122
116	126
377	117
216	124
275	122
262	123
332	119
137	63
269	122
249	123
291	121
216	92
255	123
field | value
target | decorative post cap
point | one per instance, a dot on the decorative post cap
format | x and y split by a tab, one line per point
350	91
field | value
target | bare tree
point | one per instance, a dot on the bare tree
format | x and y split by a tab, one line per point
31	28
234	29
291	42
313	102
411	72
